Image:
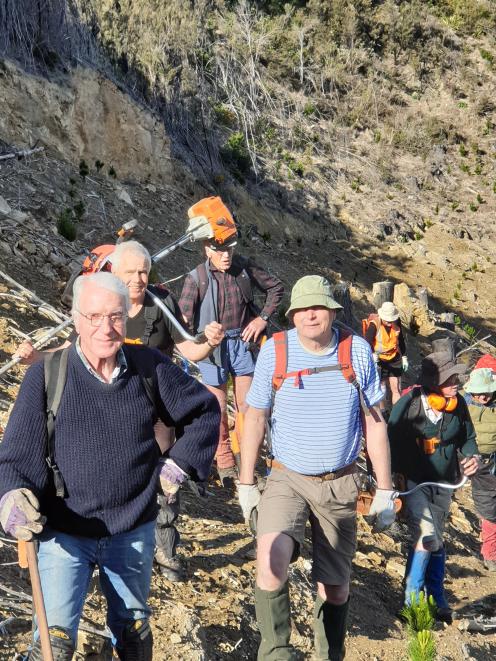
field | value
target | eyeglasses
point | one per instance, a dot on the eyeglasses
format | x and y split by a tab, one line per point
222	248
96	319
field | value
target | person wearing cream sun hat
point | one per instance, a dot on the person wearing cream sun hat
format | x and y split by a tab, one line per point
384	333
480	395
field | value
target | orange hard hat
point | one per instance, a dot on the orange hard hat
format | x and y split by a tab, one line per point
98	259
219	217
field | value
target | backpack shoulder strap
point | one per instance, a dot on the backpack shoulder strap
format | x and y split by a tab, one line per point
345	363
281	350
143	364
200	276
243	279
55	368
152	315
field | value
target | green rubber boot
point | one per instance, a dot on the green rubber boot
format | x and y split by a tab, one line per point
329	627
274	623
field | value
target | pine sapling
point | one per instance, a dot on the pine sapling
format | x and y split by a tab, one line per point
422	647
420	613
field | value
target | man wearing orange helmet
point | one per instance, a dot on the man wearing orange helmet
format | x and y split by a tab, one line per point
221	289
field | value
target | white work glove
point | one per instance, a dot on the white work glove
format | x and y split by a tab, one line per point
404	363
382	509
171	478
249	497
20	514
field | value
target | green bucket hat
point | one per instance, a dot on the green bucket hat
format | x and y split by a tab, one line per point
481	381
312	290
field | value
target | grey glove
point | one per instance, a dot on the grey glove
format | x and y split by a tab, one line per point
249	497
382	509
20	514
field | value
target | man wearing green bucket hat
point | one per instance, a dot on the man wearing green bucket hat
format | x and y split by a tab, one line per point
319	392
480	396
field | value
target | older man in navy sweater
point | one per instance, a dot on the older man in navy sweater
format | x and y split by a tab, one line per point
105	449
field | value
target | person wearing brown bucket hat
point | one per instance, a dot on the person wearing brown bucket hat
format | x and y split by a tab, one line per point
384	333
428	427
480	395
318	412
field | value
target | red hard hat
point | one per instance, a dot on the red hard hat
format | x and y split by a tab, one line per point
98	259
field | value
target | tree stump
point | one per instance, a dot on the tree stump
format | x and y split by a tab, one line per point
382	292
423	297
446	344
342	296
447	320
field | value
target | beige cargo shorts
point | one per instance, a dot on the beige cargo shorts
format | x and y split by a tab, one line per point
290	500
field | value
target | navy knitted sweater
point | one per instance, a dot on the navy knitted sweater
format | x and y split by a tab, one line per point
104	443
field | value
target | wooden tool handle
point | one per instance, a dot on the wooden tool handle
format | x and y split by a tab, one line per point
39	605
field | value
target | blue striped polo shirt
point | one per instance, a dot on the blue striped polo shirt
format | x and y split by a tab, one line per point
316	427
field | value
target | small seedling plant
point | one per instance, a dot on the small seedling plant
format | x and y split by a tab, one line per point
419	616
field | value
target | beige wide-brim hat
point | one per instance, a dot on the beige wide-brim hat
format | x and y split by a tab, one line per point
310	291
482	380
388	312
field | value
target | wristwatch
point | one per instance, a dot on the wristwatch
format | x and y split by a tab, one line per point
264	316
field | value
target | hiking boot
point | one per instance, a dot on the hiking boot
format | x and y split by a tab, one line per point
228	477
490	565
444	615
171	568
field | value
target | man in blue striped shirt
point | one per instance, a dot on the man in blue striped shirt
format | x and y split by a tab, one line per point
317	423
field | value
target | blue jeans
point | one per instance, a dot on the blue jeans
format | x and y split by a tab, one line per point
66	564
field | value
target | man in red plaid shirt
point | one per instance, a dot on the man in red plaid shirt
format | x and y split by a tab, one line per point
220	289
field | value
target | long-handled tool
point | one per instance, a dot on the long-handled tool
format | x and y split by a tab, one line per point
209	218
28	559
200	337
37	345
365	498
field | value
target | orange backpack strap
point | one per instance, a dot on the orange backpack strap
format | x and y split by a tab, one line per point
281	364
346	364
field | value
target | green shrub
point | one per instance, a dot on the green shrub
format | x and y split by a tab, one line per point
98	165
83	168
470	330
79	210
112	172
486	55
66	226
235	154
224	115
463	150
309	109
473	206
462	104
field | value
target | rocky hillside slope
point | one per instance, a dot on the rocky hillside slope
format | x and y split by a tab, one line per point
352	139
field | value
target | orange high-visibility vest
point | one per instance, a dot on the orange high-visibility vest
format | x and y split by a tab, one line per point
386	342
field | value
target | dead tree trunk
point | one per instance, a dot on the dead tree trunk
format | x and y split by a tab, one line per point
382	292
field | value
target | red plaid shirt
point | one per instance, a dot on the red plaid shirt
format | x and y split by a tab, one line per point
232	307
